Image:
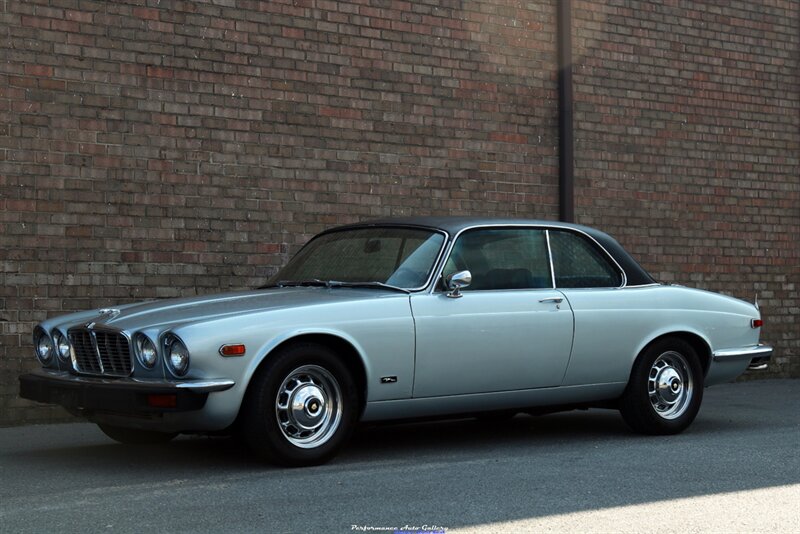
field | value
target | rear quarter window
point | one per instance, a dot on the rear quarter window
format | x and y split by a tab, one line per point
579	263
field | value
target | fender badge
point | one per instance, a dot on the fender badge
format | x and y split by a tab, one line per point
388	379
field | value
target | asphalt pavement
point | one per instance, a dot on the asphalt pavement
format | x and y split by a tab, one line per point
736	469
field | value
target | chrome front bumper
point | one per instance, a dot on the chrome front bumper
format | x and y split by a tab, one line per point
118	395
758	355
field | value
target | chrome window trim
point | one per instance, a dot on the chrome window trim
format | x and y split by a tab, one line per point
441	263
439	260
547	228
550	257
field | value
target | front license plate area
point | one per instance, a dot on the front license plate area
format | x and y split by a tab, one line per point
66	397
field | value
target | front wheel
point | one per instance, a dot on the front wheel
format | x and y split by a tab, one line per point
665	389
301	407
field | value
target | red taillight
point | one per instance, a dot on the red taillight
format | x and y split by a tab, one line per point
756	323
162	401
232	350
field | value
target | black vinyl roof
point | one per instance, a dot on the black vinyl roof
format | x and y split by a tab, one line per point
635	274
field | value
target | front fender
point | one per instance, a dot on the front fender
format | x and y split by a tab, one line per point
380	330
299	335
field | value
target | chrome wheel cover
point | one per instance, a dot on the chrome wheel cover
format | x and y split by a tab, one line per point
308	406
670	385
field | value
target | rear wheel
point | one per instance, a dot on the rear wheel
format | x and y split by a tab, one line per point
301	407
135	436
665	389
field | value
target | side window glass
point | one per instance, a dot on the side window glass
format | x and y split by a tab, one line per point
502	258
578	263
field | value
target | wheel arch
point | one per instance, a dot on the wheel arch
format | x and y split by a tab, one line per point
346	349
700	345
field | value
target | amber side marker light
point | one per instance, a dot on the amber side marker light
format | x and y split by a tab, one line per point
756	323
232	350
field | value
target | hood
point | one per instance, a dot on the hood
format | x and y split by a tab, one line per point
173	312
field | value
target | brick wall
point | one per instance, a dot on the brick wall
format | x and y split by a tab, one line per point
156	149
687	118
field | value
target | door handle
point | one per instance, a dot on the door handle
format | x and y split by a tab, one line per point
556	300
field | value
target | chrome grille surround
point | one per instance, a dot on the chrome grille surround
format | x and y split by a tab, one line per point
97	350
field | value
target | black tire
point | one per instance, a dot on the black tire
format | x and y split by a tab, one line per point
134	436
275	430
665	389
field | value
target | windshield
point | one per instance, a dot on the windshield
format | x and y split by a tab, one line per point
399	257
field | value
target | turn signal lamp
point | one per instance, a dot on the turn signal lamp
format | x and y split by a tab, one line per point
237	349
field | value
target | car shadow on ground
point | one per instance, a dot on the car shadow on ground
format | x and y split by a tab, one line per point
477	434
431	440
370	443
459	473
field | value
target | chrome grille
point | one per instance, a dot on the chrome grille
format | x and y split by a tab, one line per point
86	359
101	352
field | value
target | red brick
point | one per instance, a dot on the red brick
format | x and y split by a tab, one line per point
508	138
79	16
293	33
159	72
38	70
147	13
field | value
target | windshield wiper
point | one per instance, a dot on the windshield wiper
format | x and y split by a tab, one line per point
298	283
316	282
379	285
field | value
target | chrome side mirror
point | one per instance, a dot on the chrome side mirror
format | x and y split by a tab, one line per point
456	281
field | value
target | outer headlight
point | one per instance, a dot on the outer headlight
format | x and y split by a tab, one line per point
176	354
43	346
145	351
62	345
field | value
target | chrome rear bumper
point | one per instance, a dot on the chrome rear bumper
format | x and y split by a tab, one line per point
759	355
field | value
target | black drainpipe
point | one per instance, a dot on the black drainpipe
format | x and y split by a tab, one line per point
566	164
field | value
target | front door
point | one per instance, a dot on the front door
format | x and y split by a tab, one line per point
510	330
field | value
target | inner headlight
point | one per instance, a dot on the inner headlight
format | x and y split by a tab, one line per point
62	345
177	355
145	351
43	346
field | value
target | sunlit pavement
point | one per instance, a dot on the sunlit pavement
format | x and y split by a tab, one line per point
759	510
737	469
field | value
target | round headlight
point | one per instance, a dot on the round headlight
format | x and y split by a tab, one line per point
177	355
146	351
43	346
62	345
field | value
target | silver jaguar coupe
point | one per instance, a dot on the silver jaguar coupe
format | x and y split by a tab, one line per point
399	319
